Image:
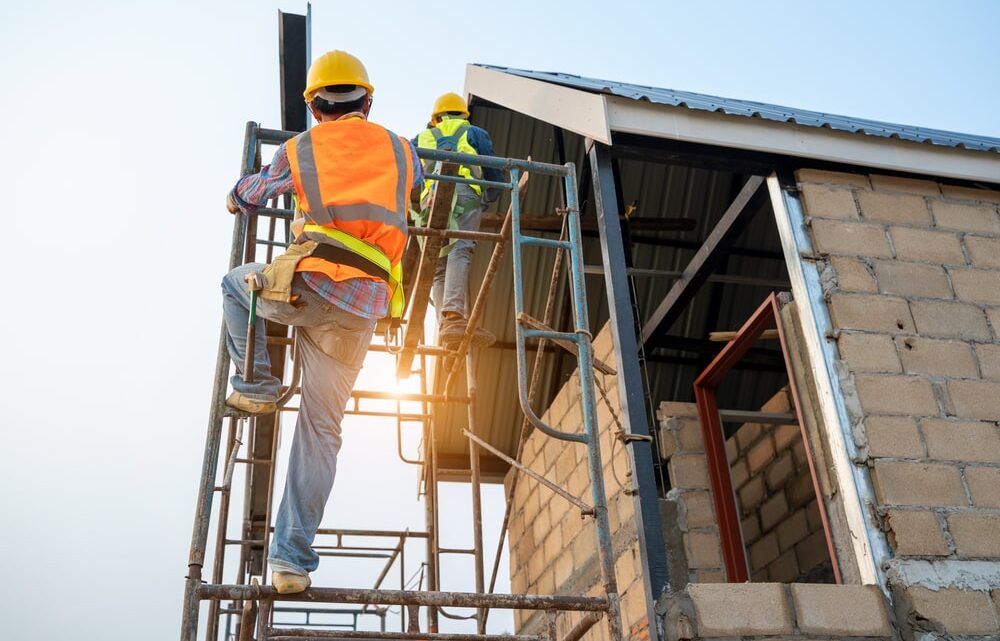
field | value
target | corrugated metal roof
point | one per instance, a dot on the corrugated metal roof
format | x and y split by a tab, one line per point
764	111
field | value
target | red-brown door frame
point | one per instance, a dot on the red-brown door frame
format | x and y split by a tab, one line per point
730	531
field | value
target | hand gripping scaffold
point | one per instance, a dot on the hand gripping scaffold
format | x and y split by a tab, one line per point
247	608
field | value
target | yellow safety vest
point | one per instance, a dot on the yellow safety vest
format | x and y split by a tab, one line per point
451	134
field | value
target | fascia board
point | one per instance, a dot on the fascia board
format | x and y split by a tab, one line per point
581	112
740	132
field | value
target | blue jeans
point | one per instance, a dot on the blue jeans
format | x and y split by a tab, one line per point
332	344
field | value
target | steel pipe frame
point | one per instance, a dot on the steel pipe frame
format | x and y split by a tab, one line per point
194	593
362	596
652	546
585	360
280	634
213	436
477	507
766	317
525	423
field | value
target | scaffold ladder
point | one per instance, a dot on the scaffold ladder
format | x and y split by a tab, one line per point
246	606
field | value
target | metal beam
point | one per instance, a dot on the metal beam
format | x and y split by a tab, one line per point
729	227
554	223
630	389
361	596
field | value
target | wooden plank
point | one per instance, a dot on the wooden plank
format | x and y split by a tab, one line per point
419	295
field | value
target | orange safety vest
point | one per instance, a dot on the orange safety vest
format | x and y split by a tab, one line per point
353	177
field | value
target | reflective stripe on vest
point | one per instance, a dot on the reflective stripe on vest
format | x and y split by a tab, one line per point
354	196
370	252
324	215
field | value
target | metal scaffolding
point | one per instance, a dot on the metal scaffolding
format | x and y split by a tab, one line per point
245	607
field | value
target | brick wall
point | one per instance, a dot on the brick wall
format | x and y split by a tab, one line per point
774	493
552	549
683	451
912	276
911	270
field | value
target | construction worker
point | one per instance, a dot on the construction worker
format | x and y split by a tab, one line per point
450	130
352	180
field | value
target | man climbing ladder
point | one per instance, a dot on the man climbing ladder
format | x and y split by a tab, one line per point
449	130
352	179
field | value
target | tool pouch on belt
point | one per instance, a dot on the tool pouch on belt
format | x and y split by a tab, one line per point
281	271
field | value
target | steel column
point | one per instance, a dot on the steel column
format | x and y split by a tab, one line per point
630	387
477	507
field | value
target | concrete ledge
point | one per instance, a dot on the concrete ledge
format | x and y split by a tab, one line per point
740	609
843	610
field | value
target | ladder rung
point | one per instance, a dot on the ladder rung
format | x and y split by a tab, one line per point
276	634
546	242
551	335
533	323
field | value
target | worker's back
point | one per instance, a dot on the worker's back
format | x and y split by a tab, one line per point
360	173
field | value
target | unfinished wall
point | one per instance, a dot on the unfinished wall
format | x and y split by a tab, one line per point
774	493
912	276
683	451
552	549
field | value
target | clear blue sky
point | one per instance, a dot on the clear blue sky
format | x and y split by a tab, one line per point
122	128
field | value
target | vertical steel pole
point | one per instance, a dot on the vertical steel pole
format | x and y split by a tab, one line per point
477	507
213	437
630	388
430	501
587	393
272	472
212	633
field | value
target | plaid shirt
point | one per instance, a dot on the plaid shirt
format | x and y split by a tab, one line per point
364	297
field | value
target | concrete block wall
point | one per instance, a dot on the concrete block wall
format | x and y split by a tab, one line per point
553	550
774	493
911	270
682	450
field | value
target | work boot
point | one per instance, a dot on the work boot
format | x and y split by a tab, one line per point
289	582
451	331
251	406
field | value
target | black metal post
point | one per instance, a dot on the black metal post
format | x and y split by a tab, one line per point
630	386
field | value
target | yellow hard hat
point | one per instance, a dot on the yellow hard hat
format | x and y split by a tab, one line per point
450	102
336	68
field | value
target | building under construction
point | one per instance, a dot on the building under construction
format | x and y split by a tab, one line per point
746	382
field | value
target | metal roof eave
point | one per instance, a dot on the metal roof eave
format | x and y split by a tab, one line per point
791	139
581	112
595	115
